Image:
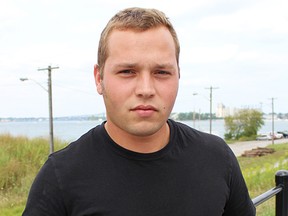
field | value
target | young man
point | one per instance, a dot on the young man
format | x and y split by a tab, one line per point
138	162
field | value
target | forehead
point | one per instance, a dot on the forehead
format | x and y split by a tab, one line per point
151	48
153	37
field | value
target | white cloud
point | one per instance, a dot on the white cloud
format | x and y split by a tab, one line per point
258	57
264	15
209	54
171	8
9	14
213	52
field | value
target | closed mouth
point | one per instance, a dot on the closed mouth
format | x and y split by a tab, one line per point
144	108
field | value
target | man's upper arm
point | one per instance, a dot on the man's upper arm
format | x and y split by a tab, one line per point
45	196
239	201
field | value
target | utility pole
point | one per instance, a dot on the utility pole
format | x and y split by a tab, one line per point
272	99
210	99
49	69
194	111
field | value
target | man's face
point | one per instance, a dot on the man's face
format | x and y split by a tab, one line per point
140	80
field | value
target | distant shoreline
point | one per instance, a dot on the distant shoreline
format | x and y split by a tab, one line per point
67	118
72	128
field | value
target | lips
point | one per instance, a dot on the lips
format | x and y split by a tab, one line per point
144	111
144	108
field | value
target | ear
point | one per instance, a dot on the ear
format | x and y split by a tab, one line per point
98	80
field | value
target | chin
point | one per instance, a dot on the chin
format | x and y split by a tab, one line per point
145	129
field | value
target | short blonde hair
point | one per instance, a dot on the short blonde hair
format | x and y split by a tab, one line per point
137	19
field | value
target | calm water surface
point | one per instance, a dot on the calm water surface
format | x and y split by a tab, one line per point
71	130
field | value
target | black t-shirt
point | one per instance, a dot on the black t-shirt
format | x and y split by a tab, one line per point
195	174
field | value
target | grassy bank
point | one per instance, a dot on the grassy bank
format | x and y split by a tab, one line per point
259	174
21	158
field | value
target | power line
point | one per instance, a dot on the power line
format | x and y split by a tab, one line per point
73	89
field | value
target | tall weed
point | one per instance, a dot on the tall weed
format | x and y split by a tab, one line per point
20	160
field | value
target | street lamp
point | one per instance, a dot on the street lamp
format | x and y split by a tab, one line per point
25	79
49	91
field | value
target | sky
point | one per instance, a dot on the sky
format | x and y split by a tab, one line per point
237	47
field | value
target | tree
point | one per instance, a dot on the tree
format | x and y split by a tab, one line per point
244	124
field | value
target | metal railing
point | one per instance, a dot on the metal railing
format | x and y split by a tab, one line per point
281	192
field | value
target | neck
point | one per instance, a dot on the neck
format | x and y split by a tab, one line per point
140	144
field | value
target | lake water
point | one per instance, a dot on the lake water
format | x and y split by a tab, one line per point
71	130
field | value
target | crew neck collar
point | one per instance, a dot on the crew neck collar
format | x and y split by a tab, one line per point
137	155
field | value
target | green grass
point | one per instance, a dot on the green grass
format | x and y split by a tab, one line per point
21	158
259	174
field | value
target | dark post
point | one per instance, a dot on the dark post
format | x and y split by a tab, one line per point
281	179
50	106
273	134
210	127
210	99
50	111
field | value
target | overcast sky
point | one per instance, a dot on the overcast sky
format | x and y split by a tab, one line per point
238	46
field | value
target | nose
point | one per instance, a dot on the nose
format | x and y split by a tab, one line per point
145	86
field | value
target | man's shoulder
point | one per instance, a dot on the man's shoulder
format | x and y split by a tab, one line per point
200	140
196	134
80	147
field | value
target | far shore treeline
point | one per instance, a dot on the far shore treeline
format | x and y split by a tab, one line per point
180	116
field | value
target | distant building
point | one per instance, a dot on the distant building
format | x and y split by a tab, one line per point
223	111
220	112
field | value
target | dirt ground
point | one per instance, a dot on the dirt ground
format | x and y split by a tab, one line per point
239	147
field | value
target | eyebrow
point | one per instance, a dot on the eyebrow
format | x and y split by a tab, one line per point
168	65
133	65
125	65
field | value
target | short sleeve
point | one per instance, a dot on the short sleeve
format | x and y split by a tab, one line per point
239	202
45	196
